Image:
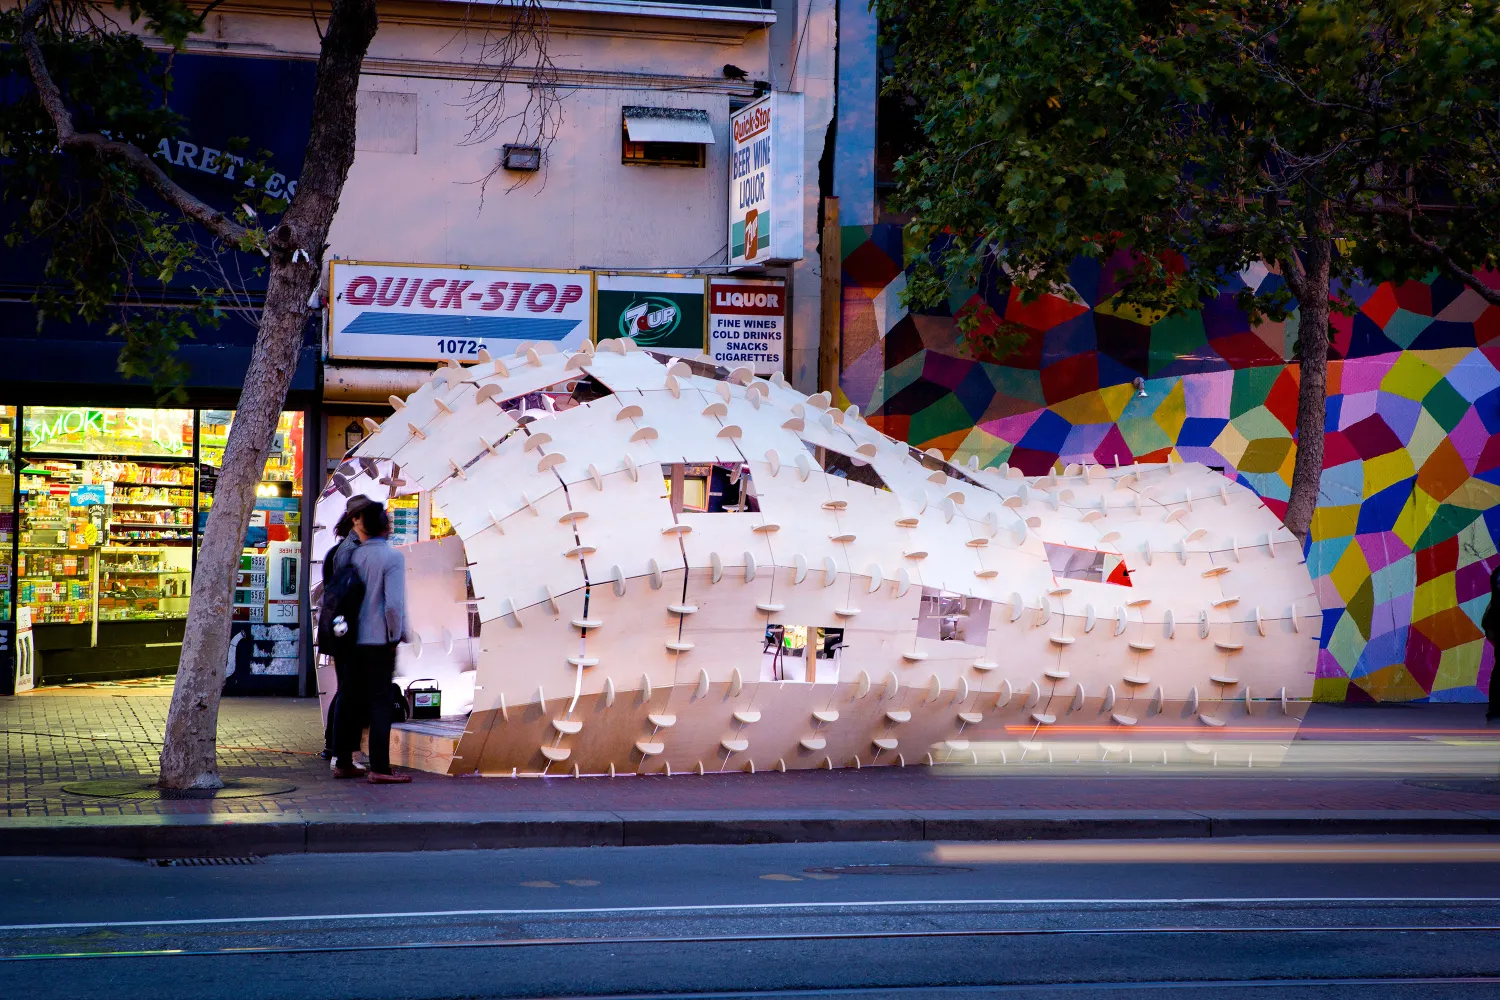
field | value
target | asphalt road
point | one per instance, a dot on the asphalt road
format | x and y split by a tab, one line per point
1372	920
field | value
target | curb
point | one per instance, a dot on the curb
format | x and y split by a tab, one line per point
225	835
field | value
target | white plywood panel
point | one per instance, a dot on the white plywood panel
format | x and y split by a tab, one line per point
495	487
519	661
683	432
727	631
631	642
590	435
531	554
523	375
622	372
627	525
788	502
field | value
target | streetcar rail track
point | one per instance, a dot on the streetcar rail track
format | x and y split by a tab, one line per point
1069	987
636	940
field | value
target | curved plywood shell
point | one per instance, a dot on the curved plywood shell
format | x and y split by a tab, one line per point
943	598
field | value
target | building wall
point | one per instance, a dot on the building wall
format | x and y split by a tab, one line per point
417	191
1403	540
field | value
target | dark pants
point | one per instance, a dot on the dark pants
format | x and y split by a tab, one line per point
368	696
341	671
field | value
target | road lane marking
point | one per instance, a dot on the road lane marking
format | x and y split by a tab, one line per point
1136	903
1219	851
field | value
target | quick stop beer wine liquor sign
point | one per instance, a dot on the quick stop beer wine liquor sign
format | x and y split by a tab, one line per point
765	182
411	312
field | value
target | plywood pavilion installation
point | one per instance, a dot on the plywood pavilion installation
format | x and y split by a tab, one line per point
686	574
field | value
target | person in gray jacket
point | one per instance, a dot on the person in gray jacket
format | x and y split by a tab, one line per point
382	626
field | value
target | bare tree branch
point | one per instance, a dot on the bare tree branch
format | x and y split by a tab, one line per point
127	154
514	46
1448	266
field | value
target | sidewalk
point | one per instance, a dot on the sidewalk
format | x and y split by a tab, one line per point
1435	774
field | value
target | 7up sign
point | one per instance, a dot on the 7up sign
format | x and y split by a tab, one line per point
663	313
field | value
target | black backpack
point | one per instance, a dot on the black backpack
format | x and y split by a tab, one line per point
338	615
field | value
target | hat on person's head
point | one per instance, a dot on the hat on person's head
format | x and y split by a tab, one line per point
345	523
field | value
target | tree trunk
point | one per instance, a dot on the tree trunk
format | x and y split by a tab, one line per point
297	244
1312	396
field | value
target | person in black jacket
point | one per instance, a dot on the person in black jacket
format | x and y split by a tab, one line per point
338	557
1491	625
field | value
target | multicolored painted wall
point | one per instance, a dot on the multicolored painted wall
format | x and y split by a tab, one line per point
1403	539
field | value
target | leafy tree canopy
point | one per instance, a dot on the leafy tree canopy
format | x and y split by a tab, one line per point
1200	135
117	245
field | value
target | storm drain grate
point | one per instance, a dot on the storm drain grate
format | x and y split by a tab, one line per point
202	862
888	870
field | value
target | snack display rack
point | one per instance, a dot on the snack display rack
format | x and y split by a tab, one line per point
56	564
137	582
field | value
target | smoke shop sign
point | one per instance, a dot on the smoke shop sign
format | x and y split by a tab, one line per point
412	312
747	323
105	431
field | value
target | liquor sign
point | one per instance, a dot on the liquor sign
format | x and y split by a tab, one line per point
765	182
415	312
661	313
747	323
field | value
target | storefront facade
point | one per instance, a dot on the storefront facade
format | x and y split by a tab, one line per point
102	512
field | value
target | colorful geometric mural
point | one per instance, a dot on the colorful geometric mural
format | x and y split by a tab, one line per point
1403	539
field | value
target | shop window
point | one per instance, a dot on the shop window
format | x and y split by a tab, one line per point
664	137
804	653
950	617
266	614
106	518
709	488
1070	563
7	507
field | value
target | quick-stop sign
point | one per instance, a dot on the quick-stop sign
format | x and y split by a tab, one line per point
747	323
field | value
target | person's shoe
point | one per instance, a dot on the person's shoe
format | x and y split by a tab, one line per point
326	753
349	772
376	778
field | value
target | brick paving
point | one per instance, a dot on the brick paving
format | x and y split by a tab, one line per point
61	735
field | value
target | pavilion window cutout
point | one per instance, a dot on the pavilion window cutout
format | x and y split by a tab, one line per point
557	398
934	464
842	466
709	488
802	653
1070	563
949	617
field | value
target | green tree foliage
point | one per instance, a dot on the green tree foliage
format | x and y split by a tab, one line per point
1337	140
114	249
